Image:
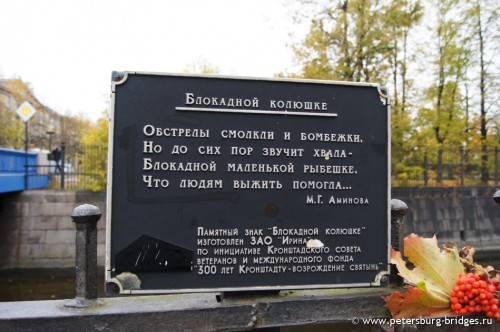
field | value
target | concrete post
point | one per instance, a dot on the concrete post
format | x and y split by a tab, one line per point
85	218
398	212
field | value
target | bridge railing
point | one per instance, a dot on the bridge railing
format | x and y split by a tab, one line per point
19	171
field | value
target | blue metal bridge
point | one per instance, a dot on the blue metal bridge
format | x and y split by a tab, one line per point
19	171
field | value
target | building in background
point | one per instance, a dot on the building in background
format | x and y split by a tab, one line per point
46	127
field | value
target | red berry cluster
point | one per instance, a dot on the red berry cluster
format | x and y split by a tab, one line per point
474	294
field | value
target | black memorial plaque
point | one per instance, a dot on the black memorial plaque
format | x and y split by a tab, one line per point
220	184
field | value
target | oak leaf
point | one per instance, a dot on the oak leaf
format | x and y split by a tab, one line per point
467	259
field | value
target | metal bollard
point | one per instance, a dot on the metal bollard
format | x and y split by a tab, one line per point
496	197
398	212
85	218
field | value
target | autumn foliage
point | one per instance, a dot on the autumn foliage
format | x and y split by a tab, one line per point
442	282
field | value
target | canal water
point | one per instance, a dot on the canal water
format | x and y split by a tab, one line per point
40	284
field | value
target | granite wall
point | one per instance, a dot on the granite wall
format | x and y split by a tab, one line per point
461	215
36	230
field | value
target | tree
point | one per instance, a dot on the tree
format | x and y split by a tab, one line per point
98	133
365	41
400	19
11	130
13	93
484	25
346	41
450	63
402	16
95	155
73	129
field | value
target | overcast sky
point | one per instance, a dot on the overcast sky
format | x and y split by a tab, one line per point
67	49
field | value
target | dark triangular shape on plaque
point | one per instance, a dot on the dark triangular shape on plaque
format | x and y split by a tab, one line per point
147	254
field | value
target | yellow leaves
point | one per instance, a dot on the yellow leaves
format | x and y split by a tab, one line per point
438	269
416	303
98	134
434	274
96	162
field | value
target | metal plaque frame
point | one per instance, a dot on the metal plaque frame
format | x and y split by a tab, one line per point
154	226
